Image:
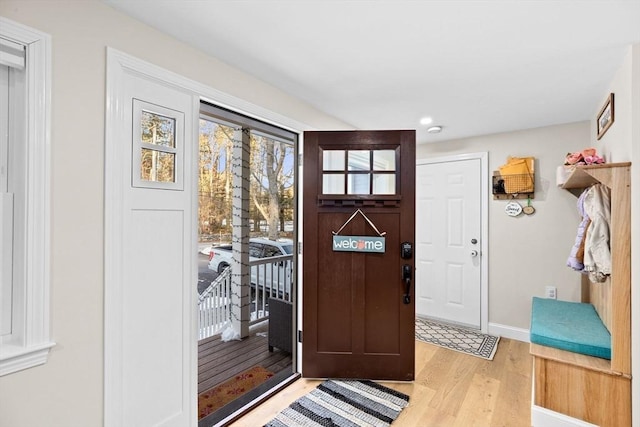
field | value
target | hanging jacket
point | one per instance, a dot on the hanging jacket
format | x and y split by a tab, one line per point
574	261
597	252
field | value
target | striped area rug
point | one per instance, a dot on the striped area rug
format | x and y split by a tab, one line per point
347	403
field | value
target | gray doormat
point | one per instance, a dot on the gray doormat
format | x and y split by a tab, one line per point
344	403
457	338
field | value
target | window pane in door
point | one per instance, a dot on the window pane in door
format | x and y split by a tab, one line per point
333	160
332	183
157	129
384	183
359	160
384	160
358	183
157	166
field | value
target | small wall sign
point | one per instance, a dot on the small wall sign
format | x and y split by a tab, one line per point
359	244
513	208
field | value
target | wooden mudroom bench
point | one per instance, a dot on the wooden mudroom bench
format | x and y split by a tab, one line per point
567	382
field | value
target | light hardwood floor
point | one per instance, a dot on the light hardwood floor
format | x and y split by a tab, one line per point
451	389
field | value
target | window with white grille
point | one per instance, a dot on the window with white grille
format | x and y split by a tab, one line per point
24	197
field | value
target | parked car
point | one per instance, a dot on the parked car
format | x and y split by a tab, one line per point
264	274
220	256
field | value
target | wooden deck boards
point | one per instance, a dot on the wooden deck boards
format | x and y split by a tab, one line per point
219	361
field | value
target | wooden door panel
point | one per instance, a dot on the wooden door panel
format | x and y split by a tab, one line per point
355	323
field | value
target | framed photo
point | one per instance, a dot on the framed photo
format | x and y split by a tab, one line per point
605	117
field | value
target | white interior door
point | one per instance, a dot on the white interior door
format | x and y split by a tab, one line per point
449	241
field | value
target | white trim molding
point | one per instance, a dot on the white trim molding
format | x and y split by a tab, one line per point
29	343
510	332
542	417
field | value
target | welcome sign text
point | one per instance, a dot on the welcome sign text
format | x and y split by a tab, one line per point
358	244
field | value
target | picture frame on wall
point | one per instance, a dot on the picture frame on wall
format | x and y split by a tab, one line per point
605	116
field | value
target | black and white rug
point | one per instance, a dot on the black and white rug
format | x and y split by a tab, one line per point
344	403
457	338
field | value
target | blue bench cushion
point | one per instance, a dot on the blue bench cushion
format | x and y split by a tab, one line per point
571	326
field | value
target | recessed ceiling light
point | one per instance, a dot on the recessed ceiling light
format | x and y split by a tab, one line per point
435	129
426	121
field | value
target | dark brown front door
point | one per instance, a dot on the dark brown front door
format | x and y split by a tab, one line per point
357	320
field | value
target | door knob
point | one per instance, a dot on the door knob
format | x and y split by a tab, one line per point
474	253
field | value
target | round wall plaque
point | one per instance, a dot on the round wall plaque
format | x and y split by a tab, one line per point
513	208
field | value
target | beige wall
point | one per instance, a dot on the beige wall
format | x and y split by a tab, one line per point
616	142
68	390
526	253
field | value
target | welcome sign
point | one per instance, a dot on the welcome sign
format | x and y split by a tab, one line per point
358	244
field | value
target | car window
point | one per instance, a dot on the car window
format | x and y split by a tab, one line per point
255	250
270	250
288	249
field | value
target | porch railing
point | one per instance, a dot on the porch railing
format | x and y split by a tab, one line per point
270	277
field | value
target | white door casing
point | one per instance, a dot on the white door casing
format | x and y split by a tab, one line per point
451	270
150	242
126	208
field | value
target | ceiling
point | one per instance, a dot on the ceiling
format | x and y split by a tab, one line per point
475	67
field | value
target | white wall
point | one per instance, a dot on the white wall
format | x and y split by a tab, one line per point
526	253
68	390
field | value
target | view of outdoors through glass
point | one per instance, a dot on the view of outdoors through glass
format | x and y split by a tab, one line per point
257	306
271	177
157	159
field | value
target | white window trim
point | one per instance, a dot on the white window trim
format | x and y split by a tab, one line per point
29	345
177	150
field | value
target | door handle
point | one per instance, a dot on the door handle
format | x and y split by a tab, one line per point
406	276
474	253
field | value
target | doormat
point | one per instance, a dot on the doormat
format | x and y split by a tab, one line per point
457	338
344	403
215	398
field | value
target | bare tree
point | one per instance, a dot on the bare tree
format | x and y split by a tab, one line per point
271	181
268	178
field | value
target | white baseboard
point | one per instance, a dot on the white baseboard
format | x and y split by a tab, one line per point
542	417
510	332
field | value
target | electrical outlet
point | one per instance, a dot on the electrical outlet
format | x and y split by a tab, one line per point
550	292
